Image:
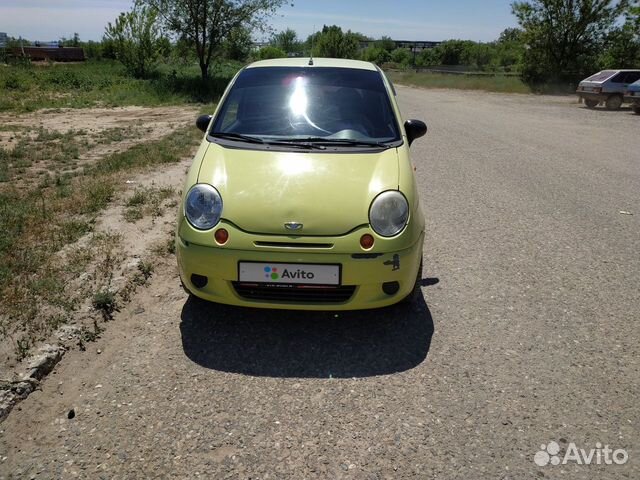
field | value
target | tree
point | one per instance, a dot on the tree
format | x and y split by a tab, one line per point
480	55
386	43
623	42
454	52
429	57
622	49
509	49
510	35
238	44
333	43
136	39
209	23
563	37
287	41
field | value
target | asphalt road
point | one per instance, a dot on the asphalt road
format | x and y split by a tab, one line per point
528	334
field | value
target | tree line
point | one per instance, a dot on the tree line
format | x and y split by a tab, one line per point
556	41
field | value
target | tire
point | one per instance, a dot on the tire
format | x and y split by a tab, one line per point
614	102
416	292
636	109
591	103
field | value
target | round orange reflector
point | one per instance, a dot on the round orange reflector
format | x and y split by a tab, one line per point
366	241
221	236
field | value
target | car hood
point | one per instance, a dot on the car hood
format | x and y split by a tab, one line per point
328	193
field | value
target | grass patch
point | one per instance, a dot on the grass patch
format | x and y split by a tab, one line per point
39	225
146	201
138	279
165	247
169	150
48	149
27	88
488	83
105	302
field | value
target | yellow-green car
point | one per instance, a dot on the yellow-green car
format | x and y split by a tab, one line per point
302	193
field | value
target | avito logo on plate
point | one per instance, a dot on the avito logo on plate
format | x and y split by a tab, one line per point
289	273
272	273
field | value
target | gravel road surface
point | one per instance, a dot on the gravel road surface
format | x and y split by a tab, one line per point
528	333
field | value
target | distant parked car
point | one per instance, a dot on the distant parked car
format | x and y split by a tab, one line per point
632	96
608	86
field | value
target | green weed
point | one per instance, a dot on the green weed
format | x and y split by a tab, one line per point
106	83
104	301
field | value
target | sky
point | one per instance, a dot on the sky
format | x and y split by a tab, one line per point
478	20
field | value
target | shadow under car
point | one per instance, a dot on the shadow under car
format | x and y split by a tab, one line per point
306	344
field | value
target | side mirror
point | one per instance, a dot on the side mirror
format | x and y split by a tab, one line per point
415	129
203	122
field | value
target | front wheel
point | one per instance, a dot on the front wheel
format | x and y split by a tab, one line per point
614	102
636	109
416	292
591	103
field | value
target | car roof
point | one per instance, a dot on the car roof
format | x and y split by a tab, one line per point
317	62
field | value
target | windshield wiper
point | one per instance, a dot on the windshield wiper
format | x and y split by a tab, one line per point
250	139
287	143
339	141
236	136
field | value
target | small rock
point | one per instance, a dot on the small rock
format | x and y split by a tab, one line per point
72	414
138	310
43	362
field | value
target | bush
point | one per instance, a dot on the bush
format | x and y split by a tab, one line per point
376	55
402	56
271	52
137	40
104	301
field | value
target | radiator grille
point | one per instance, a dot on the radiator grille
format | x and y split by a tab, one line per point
294	293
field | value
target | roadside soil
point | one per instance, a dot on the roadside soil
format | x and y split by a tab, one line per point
97	132
124	244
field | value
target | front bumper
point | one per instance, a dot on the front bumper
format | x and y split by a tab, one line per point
366	273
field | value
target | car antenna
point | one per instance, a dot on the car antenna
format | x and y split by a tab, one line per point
311	55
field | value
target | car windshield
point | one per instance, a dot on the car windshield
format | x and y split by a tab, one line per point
315	104
600	76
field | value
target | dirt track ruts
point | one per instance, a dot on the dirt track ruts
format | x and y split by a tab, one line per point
529	333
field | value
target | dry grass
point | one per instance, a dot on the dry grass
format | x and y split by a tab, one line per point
148	201
40	225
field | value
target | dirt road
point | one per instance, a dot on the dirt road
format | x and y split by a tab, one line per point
528	334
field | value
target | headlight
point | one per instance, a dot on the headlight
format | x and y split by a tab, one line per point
389	213
203	206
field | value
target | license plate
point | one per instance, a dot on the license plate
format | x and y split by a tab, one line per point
289	273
